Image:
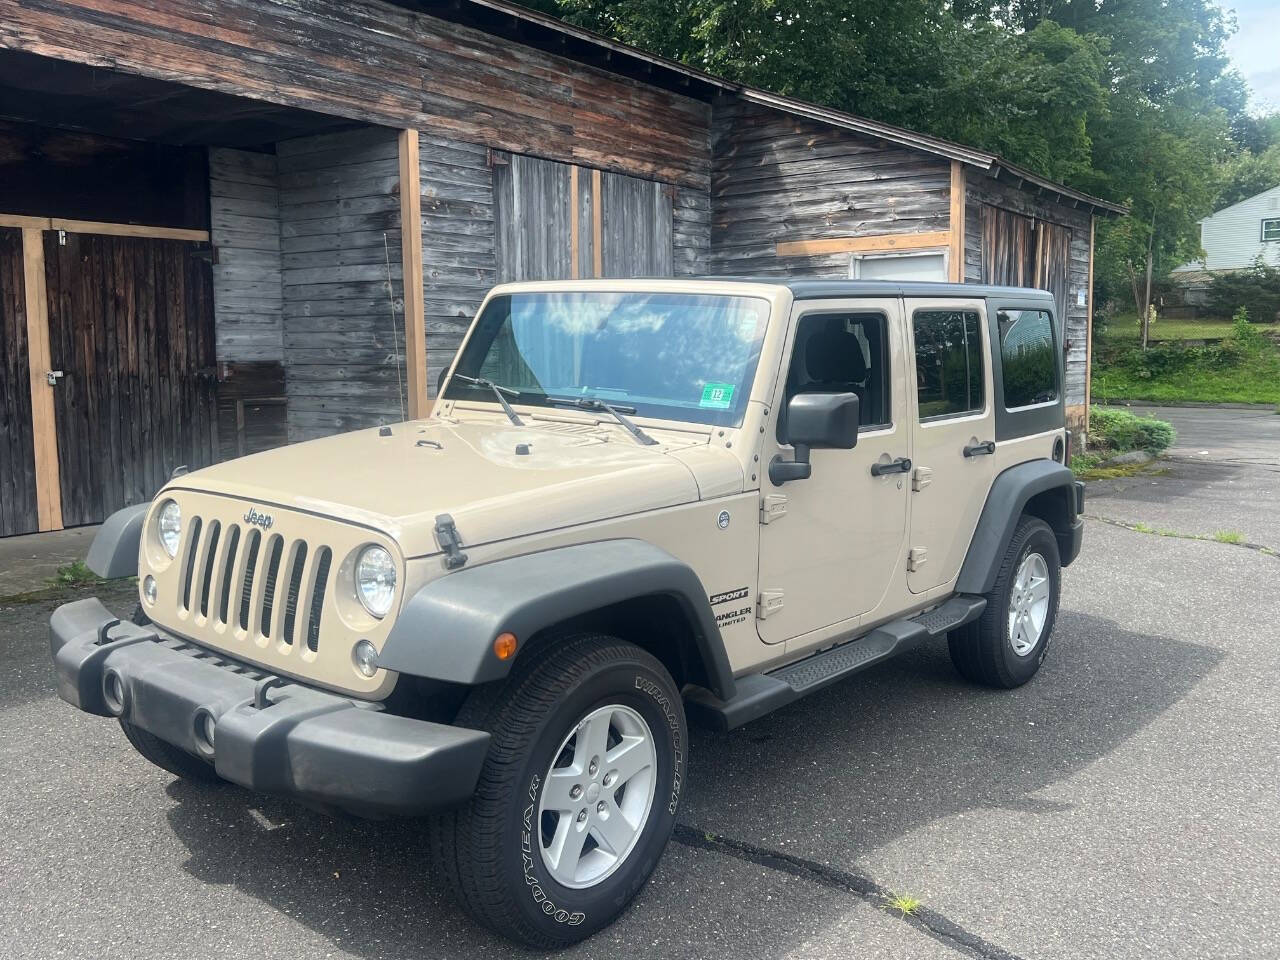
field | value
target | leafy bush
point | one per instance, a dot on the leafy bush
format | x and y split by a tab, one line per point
1246	337
1118	430
1256	289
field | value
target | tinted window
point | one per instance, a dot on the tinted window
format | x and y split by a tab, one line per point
843	353
1027	357
948	362
666	355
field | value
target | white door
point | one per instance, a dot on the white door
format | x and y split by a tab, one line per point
953	434
831	545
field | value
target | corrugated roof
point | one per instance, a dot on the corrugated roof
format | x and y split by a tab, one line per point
537	29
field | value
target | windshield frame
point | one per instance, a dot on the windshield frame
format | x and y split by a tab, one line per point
479	341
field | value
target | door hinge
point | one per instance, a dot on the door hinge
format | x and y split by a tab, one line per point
917	557
921	478
769	603
773	507
62	238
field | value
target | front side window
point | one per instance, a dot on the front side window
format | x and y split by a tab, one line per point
949	370
669	356
843	353
1027	357
1271	229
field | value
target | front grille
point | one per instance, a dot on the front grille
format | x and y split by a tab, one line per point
260	583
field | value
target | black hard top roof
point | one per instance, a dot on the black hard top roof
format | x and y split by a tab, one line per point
807	289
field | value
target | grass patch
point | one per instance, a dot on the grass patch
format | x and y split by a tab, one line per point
73	574
1229	536
904	903
1243	368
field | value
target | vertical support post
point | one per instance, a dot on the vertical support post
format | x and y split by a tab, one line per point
956	255
44	426
1088	336
597	223
574	242
415	333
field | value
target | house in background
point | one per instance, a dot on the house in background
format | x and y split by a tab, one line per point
227	226
1232	238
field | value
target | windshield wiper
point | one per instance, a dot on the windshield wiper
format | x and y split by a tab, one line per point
498	391
592	403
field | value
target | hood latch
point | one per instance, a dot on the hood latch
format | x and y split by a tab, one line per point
450	542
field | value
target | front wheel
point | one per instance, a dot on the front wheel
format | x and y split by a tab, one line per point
578	794
1007	644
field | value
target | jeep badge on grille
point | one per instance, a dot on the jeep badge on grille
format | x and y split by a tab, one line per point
256	519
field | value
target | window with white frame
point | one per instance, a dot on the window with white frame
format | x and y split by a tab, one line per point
1271	229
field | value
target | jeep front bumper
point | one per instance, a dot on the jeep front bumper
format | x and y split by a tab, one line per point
262	732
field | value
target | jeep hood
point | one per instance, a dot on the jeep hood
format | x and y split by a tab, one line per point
572	473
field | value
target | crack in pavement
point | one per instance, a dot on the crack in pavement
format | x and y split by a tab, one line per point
929	922
1139	527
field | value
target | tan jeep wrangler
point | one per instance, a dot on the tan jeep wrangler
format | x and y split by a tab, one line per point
635	502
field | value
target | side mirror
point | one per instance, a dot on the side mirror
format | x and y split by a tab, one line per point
822	420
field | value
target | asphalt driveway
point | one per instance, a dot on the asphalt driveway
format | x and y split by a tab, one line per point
1124	804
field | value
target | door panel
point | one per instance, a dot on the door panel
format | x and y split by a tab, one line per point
636	228
18	507
131	326
837	550
951	411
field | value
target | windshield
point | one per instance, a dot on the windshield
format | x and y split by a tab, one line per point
670	356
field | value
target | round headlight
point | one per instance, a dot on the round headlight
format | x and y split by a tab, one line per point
376	580
169	527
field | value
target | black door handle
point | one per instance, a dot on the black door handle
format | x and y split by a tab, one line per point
901	465
983	449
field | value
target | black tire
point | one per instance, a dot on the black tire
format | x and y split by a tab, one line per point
489	852
168	757
981	651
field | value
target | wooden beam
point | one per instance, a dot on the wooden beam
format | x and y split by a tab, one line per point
44	427
940	239
574	241
597	224
1088	336
24	223
415	331
127	230
956	223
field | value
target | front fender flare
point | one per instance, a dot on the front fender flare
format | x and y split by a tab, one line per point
446	630
114	551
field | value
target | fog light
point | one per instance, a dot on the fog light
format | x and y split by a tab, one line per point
149	590
204	730
113	693
365	656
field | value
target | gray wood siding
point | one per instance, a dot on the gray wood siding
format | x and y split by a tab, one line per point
244	203
343	322
984	191
777	177
636	221
459	260
691	232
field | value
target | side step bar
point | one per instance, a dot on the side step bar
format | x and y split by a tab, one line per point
761	693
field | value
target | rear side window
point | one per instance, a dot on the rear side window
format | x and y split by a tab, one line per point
1027	357
949	370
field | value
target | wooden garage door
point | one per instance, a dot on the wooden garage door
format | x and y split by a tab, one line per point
131	327
556	221
18	509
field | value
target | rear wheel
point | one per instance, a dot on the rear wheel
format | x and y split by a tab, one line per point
168	757
1007	644
578	795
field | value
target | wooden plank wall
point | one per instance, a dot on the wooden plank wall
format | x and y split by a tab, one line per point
636	227
691	232
378	63
340	238
18	505
1006	195
778	178
244	201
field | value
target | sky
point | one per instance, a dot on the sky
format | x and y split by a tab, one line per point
1255	50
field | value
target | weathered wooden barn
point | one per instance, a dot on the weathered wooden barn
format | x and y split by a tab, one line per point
227	225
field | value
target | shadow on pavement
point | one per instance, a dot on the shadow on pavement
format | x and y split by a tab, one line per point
837	775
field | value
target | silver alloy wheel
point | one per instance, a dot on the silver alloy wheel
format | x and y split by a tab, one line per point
598	795
1028	604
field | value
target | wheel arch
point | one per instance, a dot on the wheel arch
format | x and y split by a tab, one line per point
1040	488
114	550
627	588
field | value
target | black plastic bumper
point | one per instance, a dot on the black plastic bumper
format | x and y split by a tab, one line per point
268	735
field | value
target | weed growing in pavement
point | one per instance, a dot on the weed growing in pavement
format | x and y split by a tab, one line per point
1229	536
904	903
73	574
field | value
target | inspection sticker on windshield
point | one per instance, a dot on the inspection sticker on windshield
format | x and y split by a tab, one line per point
717	396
